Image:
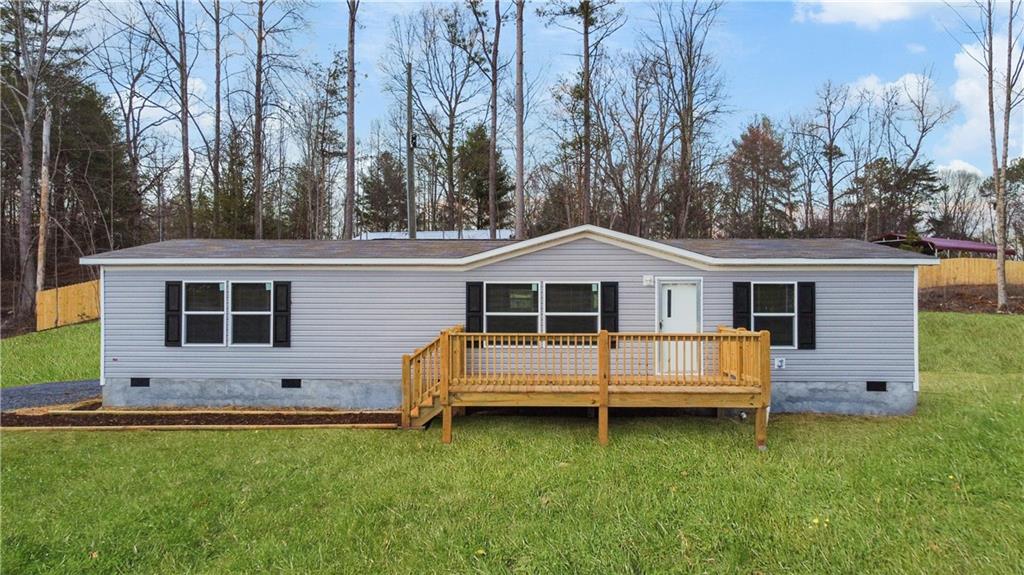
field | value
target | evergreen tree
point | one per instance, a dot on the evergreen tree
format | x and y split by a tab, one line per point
473	178
381	207
761	181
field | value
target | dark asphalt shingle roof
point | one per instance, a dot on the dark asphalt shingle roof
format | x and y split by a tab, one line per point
792	248
455	249
341	249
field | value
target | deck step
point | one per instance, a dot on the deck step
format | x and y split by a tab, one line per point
425	415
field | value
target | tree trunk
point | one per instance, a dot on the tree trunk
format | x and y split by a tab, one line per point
186	160
257	128
215	160
585	195
26	210
44	200
492	152
1001	189
350	135
520	191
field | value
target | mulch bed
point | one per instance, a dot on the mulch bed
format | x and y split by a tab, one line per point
970	299
99	418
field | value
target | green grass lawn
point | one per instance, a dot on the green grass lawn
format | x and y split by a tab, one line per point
939	492
61	354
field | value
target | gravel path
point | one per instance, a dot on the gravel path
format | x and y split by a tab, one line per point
41	394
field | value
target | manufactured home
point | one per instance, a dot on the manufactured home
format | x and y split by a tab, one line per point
584	316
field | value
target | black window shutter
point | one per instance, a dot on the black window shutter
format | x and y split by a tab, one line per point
610	306
172	314
741	305
806	322
474	307
282	314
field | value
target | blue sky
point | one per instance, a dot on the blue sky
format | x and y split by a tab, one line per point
774	55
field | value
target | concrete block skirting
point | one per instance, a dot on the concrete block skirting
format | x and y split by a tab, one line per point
844	398
330	393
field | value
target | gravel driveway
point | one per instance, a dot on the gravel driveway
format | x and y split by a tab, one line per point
41	394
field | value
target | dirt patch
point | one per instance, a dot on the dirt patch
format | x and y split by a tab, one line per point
970	299
100	418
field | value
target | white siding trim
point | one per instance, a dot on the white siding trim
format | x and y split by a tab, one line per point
103	335
917	344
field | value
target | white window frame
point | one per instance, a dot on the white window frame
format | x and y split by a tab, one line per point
793	315
544	304
185	313
230	334
540	303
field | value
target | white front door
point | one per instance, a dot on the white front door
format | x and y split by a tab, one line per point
679	312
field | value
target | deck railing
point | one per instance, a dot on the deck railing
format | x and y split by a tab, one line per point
570	361
728	368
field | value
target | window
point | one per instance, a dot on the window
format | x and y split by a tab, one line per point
511	308
251	315
572	307
774	309
204	313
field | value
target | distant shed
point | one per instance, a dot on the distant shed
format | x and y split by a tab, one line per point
941	247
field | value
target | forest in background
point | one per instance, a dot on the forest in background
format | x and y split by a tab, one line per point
99	103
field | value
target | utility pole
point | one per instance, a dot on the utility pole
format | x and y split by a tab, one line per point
410	145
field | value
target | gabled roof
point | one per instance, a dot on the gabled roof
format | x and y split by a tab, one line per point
472	253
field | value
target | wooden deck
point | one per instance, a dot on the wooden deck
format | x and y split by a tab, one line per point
726	369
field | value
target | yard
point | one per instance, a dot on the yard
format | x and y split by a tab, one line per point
942	491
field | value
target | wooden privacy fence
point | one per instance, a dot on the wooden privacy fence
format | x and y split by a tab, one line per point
967	271
66	305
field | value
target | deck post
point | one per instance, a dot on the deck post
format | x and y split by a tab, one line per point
764	370
406	393
603	376
446	374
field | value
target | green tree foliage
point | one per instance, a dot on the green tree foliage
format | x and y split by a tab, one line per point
758	203
381	207
92	207
889	198
236	209
473	175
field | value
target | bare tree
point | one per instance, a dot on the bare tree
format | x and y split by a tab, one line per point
688	70
42	33
595	21
128	60
491	66
350	131
172	32
958	208
835	113
444	87
272	24
520	204
632	121
1004	96
218	17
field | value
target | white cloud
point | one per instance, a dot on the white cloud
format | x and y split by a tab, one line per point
869	14
960	166
970	136
875	87
915	48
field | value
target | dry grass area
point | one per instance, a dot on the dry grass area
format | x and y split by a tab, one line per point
970	299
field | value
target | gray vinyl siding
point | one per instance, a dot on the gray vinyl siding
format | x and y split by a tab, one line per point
351	324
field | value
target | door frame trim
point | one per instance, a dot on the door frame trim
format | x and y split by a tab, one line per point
699	281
